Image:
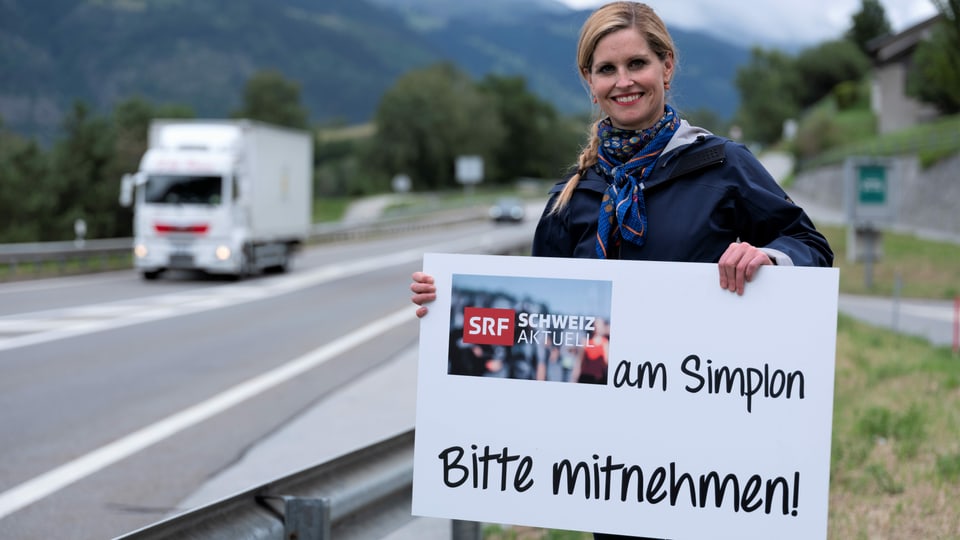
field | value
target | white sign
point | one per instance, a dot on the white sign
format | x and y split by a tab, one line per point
626	397
469	169
401	183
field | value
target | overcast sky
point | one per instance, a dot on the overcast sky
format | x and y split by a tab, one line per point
765	22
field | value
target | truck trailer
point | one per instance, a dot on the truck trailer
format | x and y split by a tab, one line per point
228	197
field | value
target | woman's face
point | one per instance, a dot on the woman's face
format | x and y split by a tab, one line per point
628	79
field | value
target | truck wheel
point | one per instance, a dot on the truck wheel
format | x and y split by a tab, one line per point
244	270
282	266
151	275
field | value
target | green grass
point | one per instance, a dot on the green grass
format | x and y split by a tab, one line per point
70	266
948	467
922	268
327	209
827	134
895	449
931	141
499	532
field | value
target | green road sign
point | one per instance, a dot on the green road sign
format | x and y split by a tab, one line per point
872	184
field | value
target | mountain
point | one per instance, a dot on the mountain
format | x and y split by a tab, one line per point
344	53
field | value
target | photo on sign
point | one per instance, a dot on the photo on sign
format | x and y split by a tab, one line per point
540	329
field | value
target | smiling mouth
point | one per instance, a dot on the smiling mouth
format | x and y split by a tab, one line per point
627	99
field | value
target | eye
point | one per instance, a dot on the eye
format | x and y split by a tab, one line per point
605	69
638	63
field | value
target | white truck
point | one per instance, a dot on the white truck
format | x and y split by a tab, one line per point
229	197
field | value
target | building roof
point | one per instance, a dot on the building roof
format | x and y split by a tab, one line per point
893	47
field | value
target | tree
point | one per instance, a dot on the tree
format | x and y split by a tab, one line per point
768	86
935	78
44	192
82	184
705	118
339	154
868	23
537	144
427	119
823	67
23	202
270	97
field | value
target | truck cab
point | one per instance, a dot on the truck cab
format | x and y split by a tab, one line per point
211	197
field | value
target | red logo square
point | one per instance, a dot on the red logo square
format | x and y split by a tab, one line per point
488	326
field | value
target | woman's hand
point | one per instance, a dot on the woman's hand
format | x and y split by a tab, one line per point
738	264
423	291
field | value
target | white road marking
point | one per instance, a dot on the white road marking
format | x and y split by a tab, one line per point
52	481
42	327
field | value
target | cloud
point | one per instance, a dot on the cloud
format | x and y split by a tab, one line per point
770	22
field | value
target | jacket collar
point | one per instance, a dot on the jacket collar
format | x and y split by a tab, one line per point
686	138
685	135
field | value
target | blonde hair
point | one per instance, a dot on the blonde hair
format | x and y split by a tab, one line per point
606	20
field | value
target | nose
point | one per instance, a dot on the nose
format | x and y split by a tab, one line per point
623	78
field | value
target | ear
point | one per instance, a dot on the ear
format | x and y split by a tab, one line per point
668	68
585	73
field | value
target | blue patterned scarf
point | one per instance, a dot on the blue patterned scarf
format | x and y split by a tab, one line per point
627	157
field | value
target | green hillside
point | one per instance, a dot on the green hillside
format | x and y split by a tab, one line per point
344	54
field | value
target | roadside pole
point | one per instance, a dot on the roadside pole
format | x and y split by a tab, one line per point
871	198
956	325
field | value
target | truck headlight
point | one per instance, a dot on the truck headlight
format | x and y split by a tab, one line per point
222	253
140	251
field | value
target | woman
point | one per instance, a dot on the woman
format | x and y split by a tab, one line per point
591	365
649	186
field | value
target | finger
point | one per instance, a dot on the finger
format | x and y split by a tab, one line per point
420	288
750	267
731	273
741	279
421	277
759	259
423	298
746	265
728	267
421	311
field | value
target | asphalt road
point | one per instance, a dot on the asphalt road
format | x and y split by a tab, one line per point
122	398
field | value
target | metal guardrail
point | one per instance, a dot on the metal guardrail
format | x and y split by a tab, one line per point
361	495
90	252
95	254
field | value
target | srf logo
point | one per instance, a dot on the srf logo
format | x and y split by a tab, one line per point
488	326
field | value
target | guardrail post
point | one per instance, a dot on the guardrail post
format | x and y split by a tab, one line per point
956	324
306	519
465	530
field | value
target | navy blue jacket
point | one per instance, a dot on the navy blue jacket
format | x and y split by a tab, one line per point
704	193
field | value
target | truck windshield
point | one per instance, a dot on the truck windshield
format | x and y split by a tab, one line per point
183	189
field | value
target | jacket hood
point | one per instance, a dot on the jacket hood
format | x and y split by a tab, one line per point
686	134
